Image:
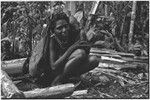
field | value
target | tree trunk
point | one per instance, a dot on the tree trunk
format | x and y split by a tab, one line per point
106	10
144	24
72	7
121	31
94	7
132	22
14	36
30	28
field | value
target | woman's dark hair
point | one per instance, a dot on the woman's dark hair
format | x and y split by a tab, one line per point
56	17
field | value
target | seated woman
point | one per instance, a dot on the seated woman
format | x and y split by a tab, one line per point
65	57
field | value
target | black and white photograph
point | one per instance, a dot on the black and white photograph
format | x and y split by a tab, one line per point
74	49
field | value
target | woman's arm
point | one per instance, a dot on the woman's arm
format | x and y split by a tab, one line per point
55	61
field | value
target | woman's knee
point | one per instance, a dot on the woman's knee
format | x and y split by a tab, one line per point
79	54
76	60
89	64
93	61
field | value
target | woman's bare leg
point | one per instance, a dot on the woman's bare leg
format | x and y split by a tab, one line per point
78	64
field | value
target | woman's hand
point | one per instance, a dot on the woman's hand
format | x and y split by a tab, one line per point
80	45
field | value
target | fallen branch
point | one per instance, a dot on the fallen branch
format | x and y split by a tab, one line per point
59	91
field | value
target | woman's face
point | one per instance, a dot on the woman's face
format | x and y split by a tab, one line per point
62	29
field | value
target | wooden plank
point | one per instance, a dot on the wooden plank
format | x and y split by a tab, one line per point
59	91
13	66
9	90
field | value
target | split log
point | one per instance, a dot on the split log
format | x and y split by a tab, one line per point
144	59
79	92
112	59
13	66
100	51
59	91
107	55
9	90
112	52
116	68
133	15
135	60
125	54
